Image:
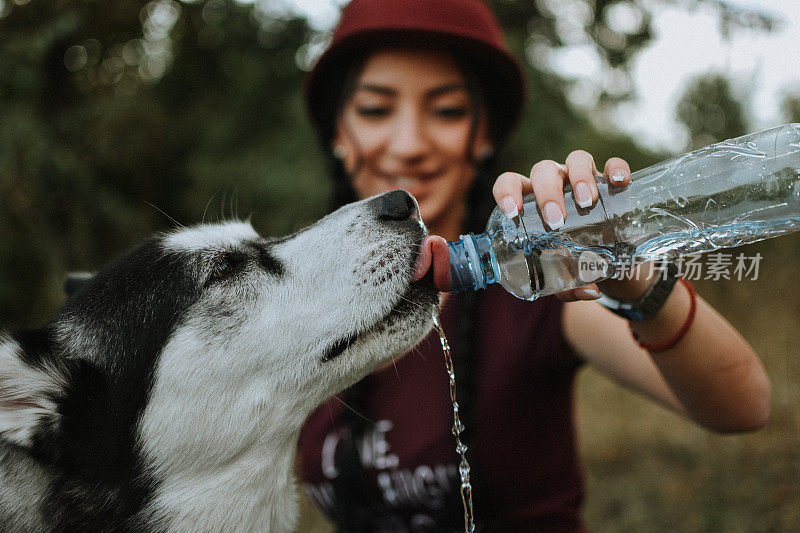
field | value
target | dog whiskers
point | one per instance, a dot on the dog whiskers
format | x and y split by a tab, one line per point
415	350
165	214
208	204
394	364
364	417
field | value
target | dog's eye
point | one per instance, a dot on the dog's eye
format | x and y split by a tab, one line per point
224	266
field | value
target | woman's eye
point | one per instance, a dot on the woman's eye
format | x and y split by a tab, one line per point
372	111
451	112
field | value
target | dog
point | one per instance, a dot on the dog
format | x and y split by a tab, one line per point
168	392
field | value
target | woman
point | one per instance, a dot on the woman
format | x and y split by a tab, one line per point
419	95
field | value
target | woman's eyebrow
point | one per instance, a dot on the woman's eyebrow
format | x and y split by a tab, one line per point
431	93
444	89
380	89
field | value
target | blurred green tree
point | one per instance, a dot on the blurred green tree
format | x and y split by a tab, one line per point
791	108
117	117
711	111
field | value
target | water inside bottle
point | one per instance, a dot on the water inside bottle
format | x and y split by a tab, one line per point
537	265
458	427
654	219
556	263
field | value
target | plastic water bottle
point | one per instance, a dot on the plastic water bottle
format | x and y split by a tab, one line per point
728	194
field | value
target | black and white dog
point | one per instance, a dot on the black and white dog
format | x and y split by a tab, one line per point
168	392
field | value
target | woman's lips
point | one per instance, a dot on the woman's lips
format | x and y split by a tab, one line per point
416	184
434	253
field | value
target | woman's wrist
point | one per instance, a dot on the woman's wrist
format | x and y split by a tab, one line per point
645	296
631	288
665	330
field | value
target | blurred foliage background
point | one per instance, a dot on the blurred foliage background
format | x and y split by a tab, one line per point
122	117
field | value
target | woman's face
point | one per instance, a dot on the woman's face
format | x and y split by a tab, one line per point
407	126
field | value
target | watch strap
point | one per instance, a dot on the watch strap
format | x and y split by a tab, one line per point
650	303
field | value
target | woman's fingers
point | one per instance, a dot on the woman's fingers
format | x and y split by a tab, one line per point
587	292
508	191
617	171
581	171
547	181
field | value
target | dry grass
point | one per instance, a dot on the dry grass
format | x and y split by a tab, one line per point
649	470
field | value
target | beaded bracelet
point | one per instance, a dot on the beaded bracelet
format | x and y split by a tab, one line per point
660	347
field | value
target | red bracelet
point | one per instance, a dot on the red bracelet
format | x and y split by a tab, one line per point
681	332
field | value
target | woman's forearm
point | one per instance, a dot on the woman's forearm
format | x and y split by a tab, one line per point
712	370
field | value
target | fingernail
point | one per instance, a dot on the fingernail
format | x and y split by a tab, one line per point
591	293
553	215
618	176
583	195
509	206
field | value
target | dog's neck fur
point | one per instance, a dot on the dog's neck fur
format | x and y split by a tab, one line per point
244	484
256	491
225	463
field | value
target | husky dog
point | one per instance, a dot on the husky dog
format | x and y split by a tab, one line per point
167	394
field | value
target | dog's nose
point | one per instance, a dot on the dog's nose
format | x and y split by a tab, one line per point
397	205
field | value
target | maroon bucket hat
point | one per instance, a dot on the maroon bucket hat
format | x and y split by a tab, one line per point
466	26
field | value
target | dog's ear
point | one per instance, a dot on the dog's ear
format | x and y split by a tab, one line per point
29	389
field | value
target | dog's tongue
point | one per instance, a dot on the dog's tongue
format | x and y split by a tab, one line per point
434	254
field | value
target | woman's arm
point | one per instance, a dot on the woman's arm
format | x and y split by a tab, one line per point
711	375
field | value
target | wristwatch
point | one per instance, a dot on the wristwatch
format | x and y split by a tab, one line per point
650	303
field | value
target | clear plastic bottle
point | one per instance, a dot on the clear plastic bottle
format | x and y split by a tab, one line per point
728	194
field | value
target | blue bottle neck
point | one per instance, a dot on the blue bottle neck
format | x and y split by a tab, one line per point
473	264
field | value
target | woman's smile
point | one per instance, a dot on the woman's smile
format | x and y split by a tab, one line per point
418	184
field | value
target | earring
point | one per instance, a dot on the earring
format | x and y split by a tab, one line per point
340	152
486	152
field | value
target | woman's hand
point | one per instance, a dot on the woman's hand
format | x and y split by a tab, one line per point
547	182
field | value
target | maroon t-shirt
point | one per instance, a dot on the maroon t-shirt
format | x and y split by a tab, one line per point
523	437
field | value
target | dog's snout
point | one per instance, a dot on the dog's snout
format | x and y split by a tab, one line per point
397	205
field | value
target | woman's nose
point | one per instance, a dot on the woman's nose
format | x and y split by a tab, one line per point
409	140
